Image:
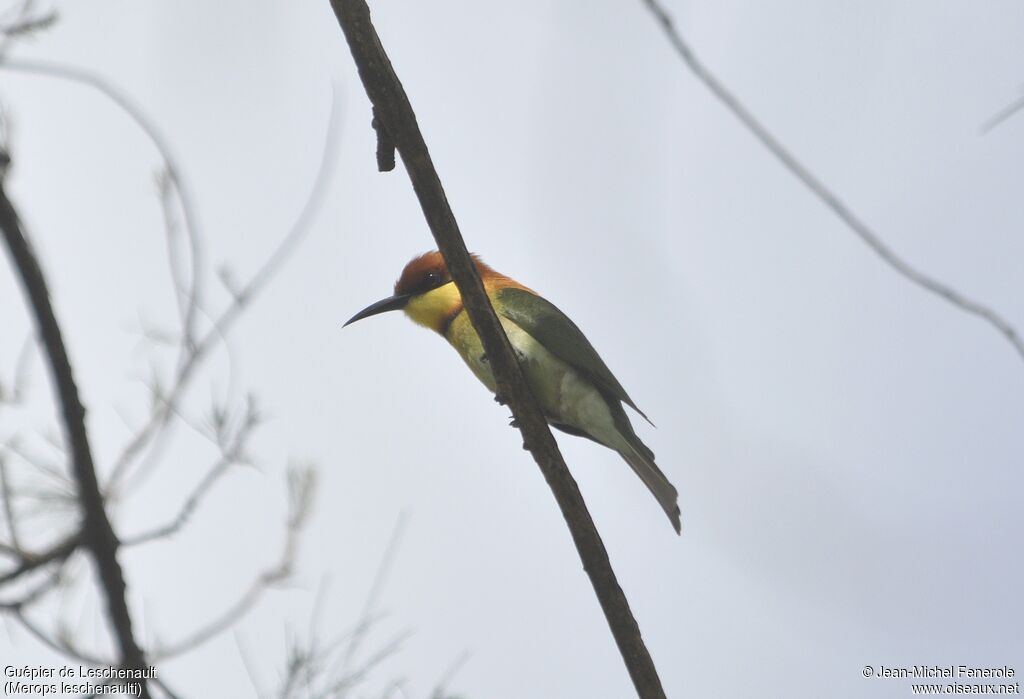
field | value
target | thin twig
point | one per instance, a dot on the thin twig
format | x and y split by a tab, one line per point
441	688
248	665
379	579
823	193
301	486
231	454
38	462
1002	115
240	301
57	494
22	371
317	669
186	283
6	493
392	108
350	680
33	561
50	582
61	646
173	176
24	24
172	169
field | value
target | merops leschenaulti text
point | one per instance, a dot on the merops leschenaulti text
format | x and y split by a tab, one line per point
573	386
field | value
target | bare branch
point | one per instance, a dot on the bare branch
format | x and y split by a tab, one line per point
379	578
33	561
56	495
22	371
34	594
1002	115
97	533
29	26
173	178
43	465
301	485
225	430
318	669
159	418
45	501
25	22
7	494
61	645
441	688
231	455
340	687
824	194
395	114
312	671
186	283
248	665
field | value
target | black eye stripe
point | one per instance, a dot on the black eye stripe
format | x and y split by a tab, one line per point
432	280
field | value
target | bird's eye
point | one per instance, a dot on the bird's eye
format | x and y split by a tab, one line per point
432	279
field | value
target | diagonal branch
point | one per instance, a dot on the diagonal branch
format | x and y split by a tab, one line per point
97	533
1002	115
394	113
827	196
22	22
33	561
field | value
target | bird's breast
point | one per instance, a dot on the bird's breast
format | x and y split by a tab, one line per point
564	395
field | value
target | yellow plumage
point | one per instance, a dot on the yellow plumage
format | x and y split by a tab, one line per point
434	308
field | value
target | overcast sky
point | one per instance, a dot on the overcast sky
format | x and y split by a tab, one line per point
848	448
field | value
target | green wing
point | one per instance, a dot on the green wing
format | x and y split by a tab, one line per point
553	329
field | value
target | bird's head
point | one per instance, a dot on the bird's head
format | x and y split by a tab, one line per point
427	294
425	291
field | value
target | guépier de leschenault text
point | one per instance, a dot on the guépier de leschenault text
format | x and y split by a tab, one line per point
30	672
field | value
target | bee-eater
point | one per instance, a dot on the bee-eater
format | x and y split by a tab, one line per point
575	389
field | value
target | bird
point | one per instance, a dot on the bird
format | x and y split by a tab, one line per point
575	389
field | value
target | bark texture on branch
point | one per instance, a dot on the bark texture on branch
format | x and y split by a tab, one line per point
97	534
394	113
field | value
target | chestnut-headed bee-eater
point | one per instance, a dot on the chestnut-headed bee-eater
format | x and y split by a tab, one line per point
575	389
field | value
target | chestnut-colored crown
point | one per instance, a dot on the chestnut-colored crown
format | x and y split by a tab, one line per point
429	271
423	273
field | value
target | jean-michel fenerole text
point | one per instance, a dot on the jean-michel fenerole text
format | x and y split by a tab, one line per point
950	671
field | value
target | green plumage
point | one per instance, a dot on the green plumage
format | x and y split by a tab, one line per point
540	320
556	331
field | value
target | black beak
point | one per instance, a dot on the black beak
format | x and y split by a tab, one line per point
391	303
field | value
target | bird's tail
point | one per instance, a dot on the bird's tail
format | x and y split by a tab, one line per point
641	459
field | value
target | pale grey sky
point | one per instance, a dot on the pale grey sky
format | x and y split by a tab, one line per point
848	448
